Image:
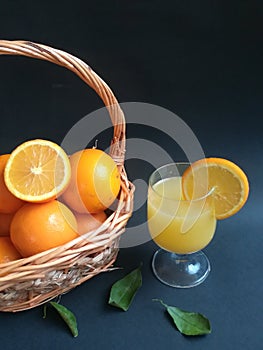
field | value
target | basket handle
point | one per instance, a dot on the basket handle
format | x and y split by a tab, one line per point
80	68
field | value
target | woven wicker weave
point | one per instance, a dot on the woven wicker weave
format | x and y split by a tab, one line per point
32	281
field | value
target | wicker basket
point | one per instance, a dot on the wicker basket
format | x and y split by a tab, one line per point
32	281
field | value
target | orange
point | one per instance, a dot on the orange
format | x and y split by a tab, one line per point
226	180
8	202
88	222
39	227
95	181
7	250
5	222
37	171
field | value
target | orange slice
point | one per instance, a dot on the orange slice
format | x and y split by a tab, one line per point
37	171
228	183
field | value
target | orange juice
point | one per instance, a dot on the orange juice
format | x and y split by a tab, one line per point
178	225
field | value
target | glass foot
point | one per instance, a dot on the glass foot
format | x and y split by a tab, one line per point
181	271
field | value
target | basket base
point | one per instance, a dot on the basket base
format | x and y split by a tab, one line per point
27	295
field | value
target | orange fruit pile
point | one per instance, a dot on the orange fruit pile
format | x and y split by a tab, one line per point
226	181
48	198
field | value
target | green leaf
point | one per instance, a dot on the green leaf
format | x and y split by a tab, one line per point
67	316
188	323
123	291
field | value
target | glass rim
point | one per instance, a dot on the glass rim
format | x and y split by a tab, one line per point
205	196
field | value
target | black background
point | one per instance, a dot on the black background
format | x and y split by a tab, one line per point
203	61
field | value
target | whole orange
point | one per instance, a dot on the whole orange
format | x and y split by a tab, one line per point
5	222
88	222
7	250
39	227
8	202
95	181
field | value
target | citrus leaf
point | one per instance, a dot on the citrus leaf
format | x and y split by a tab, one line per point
123	291
67	316
188	323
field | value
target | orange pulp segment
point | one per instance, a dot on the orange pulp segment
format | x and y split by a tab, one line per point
37	171
228	183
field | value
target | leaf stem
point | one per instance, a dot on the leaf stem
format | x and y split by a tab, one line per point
45	311
160	301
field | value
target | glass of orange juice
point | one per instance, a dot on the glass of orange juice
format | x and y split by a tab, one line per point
180	227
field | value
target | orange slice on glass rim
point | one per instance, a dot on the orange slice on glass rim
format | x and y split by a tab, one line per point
37	171
227	182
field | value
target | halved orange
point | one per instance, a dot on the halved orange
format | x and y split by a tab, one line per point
226	180
37	171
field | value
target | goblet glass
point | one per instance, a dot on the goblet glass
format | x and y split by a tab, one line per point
180	227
